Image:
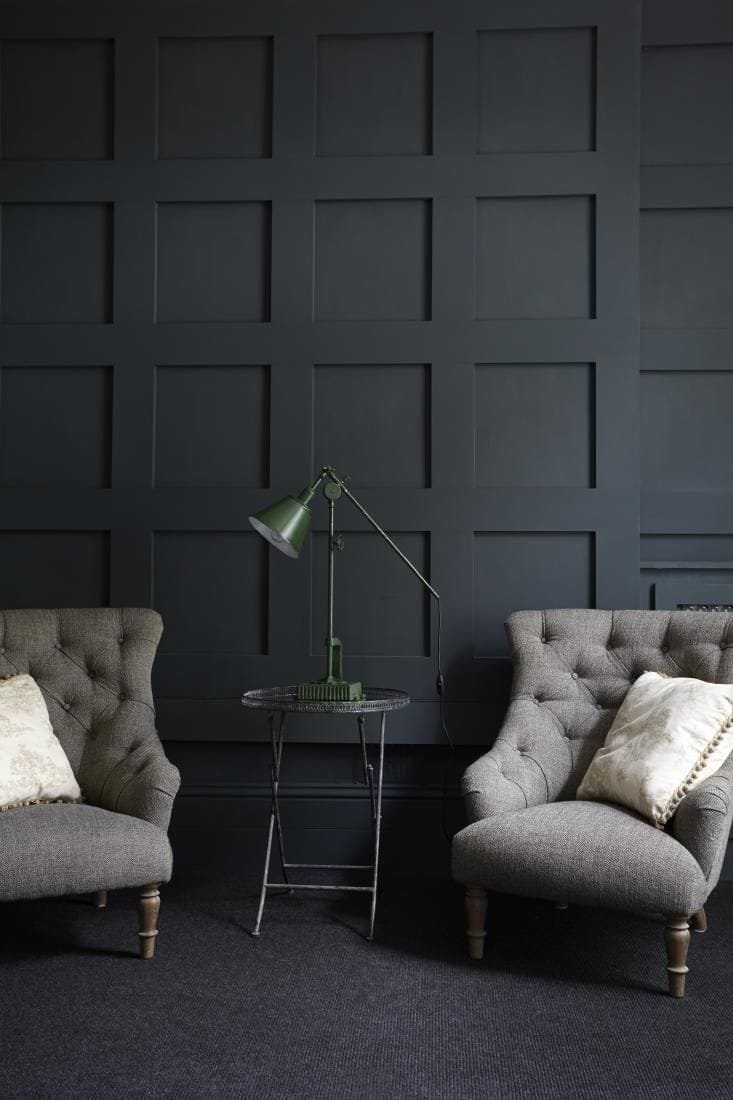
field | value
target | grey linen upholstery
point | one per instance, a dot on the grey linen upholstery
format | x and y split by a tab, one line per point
58	849
93	667
588	853
527	834
703	820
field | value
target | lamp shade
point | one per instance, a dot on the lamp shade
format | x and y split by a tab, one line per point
284	524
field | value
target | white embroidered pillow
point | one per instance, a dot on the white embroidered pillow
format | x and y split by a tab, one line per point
669	734
33	765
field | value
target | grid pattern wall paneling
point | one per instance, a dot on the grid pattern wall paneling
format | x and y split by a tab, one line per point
242	240
686	304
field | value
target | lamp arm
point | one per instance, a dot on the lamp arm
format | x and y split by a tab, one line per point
307	494
380	530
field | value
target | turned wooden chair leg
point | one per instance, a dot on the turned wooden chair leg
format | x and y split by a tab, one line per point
677	940
148	907
100	899
476	904
699	921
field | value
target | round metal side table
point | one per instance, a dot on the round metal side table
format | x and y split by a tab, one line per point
278	702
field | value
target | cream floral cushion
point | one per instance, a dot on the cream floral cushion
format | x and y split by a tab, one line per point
669	734
33	765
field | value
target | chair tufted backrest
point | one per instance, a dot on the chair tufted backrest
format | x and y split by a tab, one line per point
572	669
91	664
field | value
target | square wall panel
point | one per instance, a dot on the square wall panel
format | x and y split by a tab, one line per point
663	589
536	90
55	426
54	569
687	548
212	426
374	95
373	423
381	609
685	430
535	424
529	570
57	99
213	261
373	260
214	97
211	589
56	263
535	257
686	268
686	96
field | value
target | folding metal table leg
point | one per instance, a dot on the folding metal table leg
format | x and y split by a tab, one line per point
277	751
277	745
367	767
377	825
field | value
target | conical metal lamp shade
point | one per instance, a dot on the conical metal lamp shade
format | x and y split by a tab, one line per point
284	524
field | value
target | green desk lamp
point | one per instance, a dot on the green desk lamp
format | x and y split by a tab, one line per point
285	525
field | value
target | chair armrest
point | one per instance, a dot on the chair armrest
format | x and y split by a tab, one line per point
143	785
525	766
703	818
124	769
487	791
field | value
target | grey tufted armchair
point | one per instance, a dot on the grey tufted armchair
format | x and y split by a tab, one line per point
527	834
93	666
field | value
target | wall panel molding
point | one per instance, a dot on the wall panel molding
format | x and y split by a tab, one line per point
325	223
686	336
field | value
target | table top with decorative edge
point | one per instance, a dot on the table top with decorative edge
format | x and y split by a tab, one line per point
286	698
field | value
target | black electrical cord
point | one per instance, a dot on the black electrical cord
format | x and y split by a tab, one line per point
440	683
440	689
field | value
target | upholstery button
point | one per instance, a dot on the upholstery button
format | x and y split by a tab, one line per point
665	649
66	706
599	706
2	648
57	645
543	639
574	675
121	639
565	737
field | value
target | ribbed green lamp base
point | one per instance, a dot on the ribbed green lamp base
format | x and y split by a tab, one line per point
330	691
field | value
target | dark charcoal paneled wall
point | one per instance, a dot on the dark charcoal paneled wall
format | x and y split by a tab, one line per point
687	304
242	240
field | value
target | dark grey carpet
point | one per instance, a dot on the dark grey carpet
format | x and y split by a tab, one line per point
566	1004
